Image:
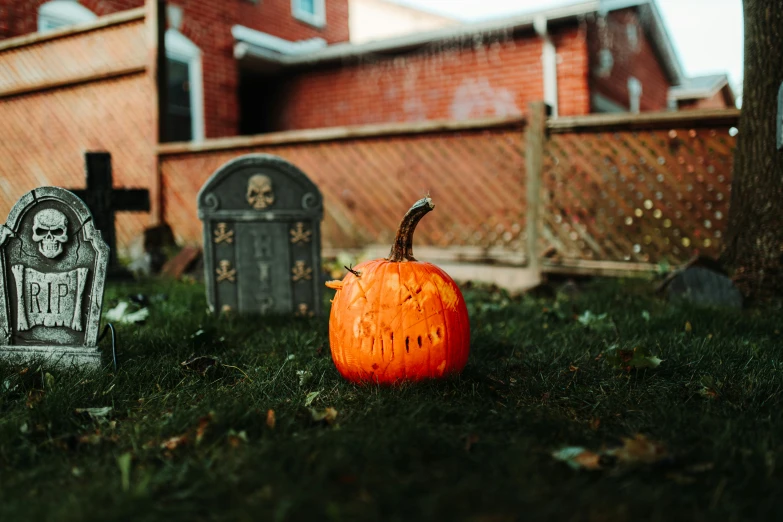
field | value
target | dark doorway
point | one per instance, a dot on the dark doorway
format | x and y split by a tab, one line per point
260	97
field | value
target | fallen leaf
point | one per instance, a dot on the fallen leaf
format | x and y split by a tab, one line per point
578	458
310	398
270	419
96	414
595	322
199	364
174	442
626	360
236	438
120	314
329	415
639	450
203	423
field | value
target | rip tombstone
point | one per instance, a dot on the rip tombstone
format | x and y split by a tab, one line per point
52	272
262	238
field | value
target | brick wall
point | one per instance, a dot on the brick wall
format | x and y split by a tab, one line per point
49	122
18	17
449	82
719	100
629	59
573	70
208	24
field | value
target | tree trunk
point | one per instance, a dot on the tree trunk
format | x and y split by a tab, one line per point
754	239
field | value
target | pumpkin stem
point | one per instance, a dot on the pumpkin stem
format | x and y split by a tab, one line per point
402	249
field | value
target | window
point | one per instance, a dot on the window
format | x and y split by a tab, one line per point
634	94
62	13
185	103
311	11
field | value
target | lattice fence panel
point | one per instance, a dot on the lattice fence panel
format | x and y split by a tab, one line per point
648	196
476	179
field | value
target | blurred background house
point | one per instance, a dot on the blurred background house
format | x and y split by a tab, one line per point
246	67
378	19
78	75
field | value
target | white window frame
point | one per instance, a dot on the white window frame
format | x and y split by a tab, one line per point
317	19
634	95
62	13
179	47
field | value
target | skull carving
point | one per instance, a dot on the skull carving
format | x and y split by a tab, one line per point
50	231
259	192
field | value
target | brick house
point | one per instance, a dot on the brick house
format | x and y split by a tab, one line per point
248	67
84	76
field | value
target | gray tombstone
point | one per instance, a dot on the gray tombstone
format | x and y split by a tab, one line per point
702	286
262	238
52	272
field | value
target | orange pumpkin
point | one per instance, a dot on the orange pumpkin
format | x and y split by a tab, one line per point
398	319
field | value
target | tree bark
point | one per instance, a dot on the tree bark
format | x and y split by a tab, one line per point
754	239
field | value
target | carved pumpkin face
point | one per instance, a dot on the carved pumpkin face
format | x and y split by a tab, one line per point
398	319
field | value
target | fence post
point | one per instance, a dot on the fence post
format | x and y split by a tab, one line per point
155	21
535	133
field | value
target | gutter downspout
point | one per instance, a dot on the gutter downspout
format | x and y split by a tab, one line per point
549	62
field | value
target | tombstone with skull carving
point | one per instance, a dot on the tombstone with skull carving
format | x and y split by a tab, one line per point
52	272
262	238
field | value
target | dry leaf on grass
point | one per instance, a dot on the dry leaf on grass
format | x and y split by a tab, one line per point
199	364
578	458
627	360
328	415
174	442
236	438
203	423
638	450
96	414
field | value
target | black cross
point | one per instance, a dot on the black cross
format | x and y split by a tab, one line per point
103	201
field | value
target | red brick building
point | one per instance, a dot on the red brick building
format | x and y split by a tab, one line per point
250	66
81	76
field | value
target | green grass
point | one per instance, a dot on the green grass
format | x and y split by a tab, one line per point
474	447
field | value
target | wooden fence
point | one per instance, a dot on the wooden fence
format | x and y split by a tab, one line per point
627	192
608	193
370	176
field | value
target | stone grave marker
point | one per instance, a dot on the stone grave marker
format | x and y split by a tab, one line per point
702	282
262	238
52	271
103	201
